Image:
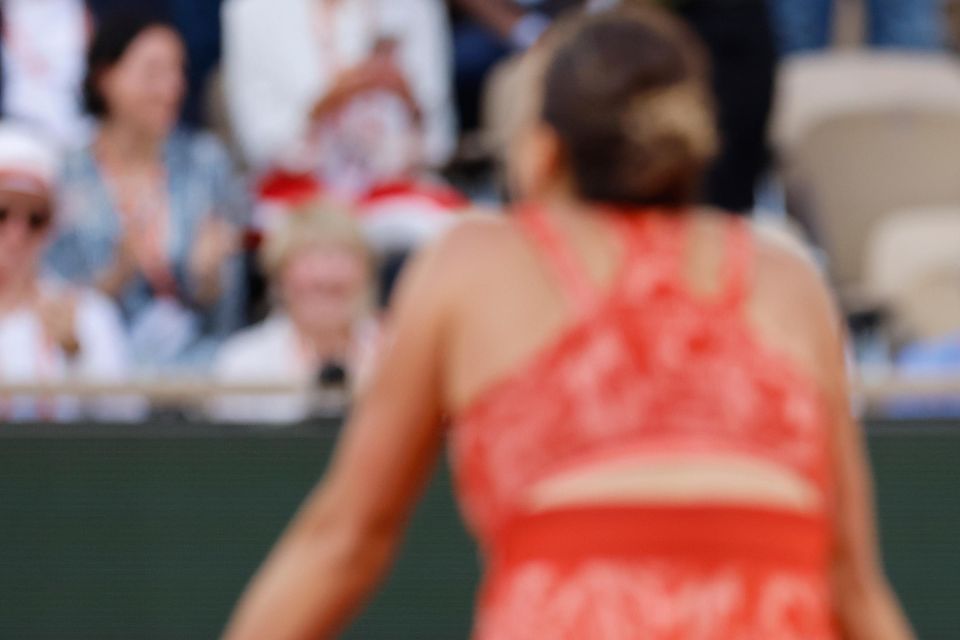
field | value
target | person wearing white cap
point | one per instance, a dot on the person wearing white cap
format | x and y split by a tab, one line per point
48	333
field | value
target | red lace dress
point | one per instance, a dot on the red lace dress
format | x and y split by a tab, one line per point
647	368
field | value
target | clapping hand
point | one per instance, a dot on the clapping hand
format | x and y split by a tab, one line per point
217	240
378	72
122	270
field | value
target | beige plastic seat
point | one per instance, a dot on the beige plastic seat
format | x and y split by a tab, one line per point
849	173
913	267
814	87
910	244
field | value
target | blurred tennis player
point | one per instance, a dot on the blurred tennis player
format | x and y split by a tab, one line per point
650	431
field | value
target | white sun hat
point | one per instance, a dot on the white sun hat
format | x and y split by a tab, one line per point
29	163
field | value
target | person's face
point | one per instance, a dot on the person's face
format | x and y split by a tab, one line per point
324	287
146	87
25	221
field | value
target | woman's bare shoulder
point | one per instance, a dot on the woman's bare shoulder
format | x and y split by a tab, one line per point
475	245
479	229
787	268
792	297
462	260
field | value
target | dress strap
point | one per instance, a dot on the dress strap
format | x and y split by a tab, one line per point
560	258
739	263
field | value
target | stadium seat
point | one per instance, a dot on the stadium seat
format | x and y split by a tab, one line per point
912	266
851	171
814	87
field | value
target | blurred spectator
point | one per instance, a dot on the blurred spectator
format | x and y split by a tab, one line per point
739	37
321	273
48	333
487	31
149	211
42	44
807	25
396	217
520	23
199	23
358	90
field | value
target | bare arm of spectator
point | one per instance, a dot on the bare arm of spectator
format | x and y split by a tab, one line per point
500	15
217	241
59	315
379	71
507	18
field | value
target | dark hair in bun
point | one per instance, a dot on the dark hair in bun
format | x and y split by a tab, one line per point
626	91
110	43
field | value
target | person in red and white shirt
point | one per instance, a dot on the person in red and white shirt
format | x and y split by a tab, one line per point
49	333
357	90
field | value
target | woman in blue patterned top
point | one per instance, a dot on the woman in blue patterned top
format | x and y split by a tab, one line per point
151	212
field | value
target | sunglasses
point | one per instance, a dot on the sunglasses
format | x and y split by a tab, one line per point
37	220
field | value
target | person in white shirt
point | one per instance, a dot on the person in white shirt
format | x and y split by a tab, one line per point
292	66
322	273
49	333
43	46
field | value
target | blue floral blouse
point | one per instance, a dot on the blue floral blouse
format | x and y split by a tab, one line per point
202	183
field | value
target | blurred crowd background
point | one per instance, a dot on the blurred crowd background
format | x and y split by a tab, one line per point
204	204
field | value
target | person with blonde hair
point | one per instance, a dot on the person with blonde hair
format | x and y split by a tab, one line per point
645	402
322	330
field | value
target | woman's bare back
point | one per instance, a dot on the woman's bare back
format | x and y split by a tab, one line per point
510	307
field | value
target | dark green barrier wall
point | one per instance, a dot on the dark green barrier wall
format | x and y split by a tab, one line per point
151	532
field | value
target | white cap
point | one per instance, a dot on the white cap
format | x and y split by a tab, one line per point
28	162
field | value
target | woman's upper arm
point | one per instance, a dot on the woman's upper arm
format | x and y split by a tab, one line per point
866	606
857	560
392	441
807	315
857	555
